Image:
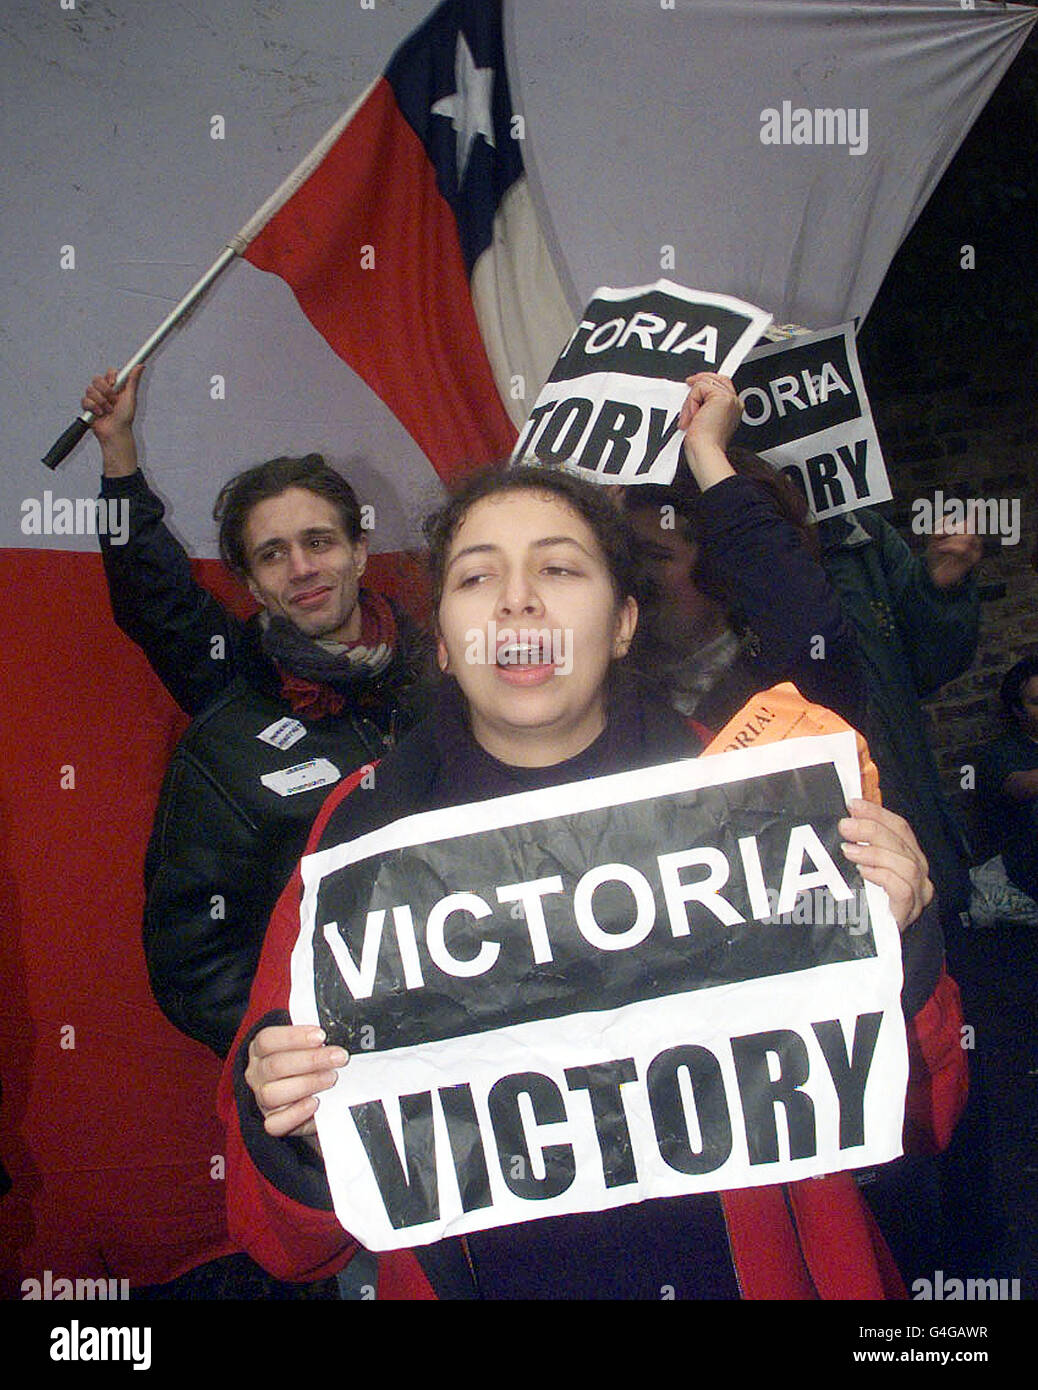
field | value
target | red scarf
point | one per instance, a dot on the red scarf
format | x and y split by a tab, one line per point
315	698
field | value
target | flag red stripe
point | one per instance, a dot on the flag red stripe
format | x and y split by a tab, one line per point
107	1130
109	1133
407	325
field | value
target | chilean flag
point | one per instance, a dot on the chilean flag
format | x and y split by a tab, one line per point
410	240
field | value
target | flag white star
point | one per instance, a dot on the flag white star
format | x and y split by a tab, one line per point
468	107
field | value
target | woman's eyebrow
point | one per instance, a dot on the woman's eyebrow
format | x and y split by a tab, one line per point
562	540
542	543
471	550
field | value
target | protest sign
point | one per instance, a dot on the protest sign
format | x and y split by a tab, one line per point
805	410
661	982
609	410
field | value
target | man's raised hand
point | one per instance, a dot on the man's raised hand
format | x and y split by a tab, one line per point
113	420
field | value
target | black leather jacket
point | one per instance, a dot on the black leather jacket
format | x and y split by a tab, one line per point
229	830
236	806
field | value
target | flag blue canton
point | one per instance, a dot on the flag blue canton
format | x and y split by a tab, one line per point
450	84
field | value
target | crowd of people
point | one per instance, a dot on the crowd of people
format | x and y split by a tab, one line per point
331	714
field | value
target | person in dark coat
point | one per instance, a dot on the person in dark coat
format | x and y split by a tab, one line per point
916	620
743	599
1008	777
320	682
542	553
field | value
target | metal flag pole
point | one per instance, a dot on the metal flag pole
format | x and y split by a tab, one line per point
64	445
79	426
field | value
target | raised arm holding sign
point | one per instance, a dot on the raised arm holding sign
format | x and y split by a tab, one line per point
541	932
709	418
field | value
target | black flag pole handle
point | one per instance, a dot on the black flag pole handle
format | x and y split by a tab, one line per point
63	446
66	442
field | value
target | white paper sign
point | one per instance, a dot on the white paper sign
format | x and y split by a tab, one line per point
662	982
609	410
805	410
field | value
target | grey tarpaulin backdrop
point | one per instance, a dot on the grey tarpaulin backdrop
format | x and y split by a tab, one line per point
643	131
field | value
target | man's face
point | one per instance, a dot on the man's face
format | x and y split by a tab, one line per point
688	618
303	566
1027	710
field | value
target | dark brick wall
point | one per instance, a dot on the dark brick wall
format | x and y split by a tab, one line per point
951	361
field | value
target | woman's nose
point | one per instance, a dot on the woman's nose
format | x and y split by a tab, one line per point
519	594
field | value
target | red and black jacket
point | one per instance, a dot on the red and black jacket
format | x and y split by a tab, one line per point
809	1239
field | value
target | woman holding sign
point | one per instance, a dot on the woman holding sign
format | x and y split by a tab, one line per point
536	584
